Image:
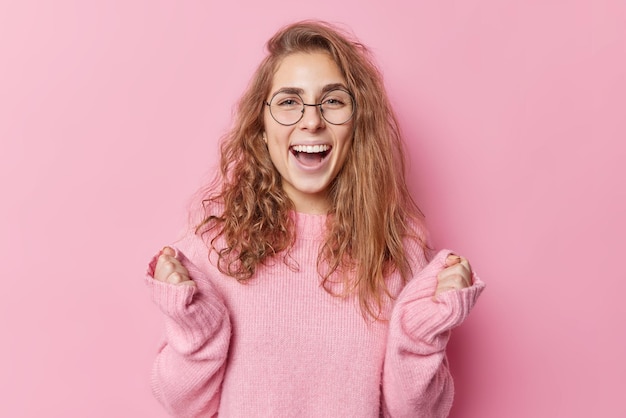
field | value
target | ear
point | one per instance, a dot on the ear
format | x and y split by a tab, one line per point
264	138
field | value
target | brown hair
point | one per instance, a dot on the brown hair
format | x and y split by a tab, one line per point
372	210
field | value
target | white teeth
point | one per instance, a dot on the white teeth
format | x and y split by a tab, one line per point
311	149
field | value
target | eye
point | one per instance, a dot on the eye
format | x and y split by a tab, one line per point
287	102
333	102
336	99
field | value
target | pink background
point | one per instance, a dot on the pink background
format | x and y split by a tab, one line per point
515	119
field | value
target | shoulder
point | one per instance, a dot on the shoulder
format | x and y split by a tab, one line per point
195	238
416	244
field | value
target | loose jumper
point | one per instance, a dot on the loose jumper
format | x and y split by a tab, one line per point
305	290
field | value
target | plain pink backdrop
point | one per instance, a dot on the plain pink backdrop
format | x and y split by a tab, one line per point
515	121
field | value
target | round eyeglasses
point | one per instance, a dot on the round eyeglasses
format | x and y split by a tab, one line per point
336	107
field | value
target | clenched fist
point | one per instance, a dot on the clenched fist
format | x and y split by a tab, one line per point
170	270
456	275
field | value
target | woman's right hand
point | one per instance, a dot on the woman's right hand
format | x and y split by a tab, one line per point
170	270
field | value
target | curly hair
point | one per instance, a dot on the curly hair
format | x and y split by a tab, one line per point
371	210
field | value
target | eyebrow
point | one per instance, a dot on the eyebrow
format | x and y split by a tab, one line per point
299	91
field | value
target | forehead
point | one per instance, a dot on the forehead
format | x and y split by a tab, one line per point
307	71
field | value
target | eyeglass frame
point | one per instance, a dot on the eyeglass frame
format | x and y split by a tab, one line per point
318	105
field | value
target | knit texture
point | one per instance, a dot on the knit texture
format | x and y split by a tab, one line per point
282	346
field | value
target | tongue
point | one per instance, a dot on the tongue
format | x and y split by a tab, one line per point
309	158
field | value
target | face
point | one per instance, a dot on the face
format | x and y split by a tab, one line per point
309	154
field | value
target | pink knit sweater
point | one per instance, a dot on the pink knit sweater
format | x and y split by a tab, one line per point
281	346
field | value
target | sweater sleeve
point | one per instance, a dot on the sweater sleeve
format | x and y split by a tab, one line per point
189	367
416	378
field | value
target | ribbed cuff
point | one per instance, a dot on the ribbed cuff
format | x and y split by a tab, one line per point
428	320
425	319
193	313
172	299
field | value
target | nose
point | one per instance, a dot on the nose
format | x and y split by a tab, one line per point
312	119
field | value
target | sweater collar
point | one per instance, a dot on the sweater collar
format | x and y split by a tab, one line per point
309	226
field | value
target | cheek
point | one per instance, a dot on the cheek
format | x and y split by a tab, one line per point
342	157
266	122
276	148
345	141
272	129
348	145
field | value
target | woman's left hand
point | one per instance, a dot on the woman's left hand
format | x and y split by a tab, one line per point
456	275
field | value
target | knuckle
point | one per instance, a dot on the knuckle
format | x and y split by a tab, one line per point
456	280
452	270
164	269
169	266
459	281
174	278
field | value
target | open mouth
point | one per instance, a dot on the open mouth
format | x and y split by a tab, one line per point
310	154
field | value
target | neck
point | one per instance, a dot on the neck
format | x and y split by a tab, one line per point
309	203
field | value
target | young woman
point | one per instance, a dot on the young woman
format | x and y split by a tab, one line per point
305	290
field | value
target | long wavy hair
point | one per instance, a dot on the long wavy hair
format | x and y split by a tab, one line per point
371	211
